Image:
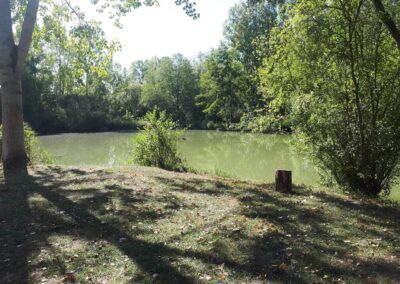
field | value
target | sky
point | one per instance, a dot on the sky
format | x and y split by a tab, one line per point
164	30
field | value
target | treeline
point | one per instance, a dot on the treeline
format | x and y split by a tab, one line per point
71	84
327	70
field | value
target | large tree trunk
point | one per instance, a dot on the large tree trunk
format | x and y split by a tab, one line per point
13	149
12	60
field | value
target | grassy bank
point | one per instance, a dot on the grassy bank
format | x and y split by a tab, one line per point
87	225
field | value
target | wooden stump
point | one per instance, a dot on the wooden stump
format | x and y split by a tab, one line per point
283	181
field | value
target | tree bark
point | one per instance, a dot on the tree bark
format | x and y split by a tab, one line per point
13	149
388	21
283	181
12	58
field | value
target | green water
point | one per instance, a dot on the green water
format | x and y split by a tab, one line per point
247	156
241	155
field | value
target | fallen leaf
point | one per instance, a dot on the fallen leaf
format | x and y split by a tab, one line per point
69	278
283	266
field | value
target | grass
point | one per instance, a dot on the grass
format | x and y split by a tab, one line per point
90	225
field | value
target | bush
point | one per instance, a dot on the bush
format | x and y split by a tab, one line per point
33	151
156	145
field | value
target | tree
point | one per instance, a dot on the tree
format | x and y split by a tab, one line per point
70	58
137	71
91	56
170	84
126	93
387	19
247	32
12	59
336	65
222	86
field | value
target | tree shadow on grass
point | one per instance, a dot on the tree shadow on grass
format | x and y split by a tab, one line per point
308	237
19	239
315	236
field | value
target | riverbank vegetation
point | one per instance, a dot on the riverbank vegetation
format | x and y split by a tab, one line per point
146	225
157	144
326	71
71	84
35	153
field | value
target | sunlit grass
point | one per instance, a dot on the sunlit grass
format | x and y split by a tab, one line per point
145	225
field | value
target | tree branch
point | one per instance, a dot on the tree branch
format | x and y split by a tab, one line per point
388	21
27	31
79	16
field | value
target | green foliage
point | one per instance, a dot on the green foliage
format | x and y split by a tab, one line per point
32	148
117	9
222	83
230	79
70	82
335	68
247	30
156	145
71	60
265	123
170	84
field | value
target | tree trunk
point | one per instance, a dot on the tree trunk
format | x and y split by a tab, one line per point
13	149
283	181
12	60
388	21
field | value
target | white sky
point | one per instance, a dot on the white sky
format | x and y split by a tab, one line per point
165	30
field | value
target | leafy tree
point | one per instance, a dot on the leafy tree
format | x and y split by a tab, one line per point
91	56
335	64
170	84
12	59
67	61
222	86
126	100
137	71
247	32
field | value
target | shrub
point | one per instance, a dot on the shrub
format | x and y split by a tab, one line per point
33	151
156	145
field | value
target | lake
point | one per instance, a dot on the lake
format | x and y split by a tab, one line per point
241	155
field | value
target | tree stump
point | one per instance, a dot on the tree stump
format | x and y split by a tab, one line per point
283	181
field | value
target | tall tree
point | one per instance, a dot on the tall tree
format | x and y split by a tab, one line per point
335	62
247	31
222	86
12	59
